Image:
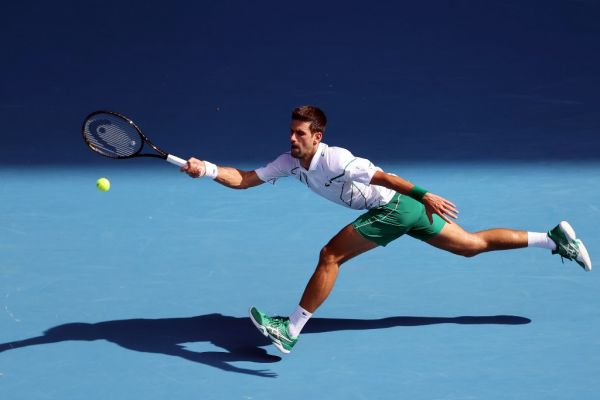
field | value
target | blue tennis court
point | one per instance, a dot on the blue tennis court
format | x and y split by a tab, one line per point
140	292
143	291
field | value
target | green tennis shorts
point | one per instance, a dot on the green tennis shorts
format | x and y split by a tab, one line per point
401	215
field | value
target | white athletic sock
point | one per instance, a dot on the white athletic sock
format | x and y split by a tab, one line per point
539	239
298	319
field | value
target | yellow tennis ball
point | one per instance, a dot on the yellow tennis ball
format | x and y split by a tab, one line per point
103	184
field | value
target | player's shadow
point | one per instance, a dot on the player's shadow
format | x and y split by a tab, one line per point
236	335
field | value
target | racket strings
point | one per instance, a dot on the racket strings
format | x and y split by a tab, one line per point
112	136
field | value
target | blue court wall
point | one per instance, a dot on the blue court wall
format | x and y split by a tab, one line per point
430	80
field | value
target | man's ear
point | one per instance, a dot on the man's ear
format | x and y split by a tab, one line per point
317	137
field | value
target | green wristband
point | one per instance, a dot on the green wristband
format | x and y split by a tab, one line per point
417	193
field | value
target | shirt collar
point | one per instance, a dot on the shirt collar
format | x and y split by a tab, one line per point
315	160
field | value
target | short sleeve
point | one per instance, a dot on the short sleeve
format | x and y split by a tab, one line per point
349	168
360	170
278	168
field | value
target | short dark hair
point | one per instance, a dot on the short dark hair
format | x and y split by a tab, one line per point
311	114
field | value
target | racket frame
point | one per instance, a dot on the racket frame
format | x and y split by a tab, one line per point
161	153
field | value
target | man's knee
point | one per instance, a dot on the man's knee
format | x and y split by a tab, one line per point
467	252
471	247
328	257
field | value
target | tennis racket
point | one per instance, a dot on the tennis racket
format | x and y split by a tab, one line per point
114	135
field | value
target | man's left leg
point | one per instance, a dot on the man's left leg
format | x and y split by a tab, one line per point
456	240
561	240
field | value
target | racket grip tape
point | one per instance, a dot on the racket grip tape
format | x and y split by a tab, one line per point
180	162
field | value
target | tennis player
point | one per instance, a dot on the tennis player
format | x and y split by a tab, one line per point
395	207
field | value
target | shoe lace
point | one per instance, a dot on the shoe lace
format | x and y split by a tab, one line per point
278	320
569	252
280	323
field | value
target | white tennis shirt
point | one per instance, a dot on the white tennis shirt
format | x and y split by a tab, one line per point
334	173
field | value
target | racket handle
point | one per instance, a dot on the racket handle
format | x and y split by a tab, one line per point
180	162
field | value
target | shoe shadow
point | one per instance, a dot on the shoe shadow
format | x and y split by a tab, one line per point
236	335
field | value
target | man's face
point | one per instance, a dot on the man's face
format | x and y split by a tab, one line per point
303	143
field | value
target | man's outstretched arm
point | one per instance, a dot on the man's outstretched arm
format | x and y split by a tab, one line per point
226	176
433	203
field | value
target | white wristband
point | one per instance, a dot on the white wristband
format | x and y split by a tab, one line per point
210	170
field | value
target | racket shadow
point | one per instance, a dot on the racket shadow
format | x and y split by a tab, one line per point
236	335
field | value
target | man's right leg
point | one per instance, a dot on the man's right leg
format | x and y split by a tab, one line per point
341	248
